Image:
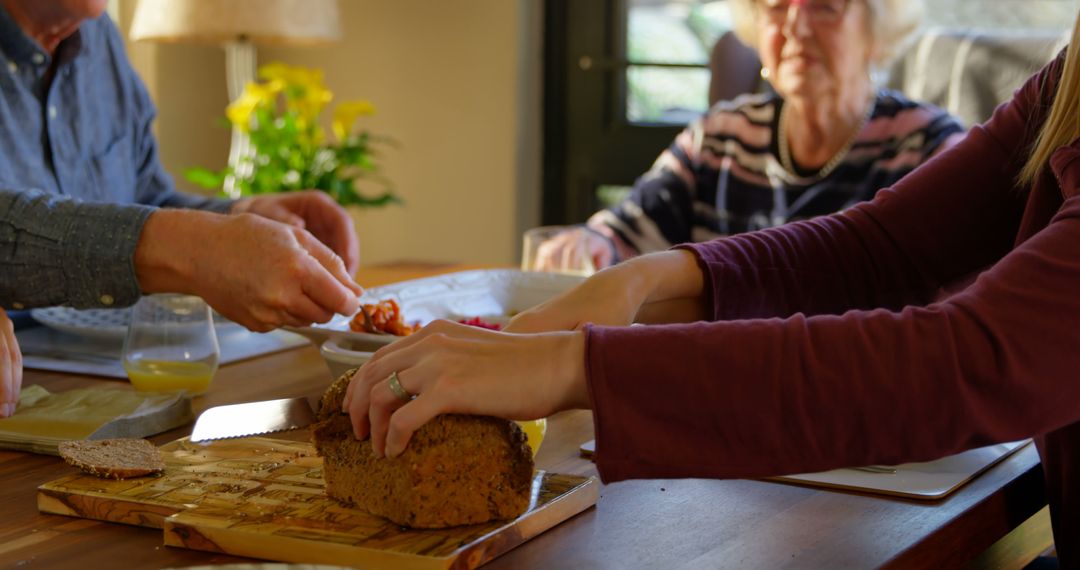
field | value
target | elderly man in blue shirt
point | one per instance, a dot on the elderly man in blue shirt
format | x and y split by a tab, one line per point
89	218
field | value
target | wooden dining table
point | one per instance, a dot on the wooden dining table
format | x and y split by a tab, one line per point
997	519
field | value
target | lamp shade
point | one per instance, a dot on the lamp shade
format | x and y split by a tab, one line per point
221	21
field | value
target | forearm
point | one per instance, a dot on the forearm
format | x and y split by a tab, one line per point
56	250
758	397
668	286
163	259
195	202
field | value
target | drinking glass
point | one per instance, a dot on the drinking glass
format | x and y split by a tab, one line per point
561	249
171	344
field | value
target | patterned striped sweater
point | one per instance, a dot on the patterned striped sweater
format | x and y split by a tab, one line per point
722	174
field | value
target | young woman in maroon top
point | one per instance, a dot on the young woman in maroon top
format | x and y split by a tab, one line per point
943	315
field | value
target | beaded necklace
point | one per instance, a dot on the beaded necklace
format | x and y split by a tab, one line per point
832	163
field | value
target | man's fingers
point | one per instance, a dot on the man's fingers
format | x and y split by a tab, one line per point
331	224
305	311
340	235
293	220
332	263
350	251
329	285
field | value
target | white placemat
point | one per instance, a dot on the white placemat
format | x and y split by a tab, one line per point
928	480
45	348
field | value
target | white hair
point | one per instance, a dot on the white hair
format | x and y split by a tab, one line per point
891	25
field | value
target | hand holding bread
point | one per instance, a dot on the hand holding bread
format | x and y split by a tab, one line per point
455	368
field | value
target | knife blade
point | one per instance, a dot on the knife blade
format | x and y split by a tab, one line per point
252	418
72	355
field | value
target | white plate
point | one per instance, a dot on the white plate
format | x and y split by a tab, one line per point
491	294
95	323
109	324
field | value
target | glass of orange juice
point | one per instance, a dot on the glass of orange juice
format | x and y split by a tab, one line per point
171	344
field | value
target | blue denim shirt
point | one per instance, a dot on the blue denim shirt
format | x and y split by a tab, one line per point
79	170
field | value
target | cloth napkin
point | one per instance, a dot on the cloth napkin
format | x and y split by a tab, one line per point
43	419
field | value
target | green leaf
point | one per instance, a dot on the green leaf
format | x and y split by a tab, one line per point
205	177
385	199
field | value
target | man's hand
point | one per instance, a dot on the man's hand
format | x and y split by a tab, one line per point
260	273
313	211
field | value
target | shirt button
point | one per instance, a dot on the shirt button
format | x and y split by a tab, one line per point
107	299
38	58
12	67
52	111
18	306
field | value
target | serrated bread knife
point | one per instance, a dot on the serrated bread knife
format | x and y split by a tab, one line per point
252	418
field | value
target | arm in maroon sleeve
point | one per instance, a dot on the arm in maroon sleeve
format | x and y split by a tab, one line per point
803	393
953	216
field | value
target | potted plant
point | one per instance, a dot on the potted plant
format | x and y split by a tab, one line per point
289	148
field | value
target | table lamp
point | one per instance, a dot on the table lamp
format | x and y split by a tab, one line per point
238	25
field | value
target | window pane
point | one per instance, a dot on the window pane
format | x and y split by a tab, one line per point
609	196
665	95
674	31
1009	14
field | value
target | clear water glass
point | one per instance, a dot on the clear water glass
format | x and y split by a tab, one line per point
171	344
559	249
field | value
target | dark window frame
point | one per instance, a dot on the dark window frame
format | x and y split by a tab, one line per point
588	141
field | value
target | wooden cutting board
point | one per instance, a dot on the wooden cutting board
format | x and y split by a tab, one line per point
264	498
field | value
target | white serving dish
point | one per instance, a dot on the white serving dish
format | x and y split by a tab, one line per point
494	295
342	355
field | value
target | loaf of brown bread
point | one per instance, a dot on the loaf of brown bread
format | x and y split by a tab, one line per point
113	458
456	469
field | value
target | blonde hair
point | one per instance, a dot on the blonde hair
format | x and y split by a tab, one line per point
891	25
1062	125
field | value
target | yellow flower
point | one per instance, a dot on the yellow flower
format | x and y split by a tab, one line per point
346	114
305	92
290	75
311	102
255	95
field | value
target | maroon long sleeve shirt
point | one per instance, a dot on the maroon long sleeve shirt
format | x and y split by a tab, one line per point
831	346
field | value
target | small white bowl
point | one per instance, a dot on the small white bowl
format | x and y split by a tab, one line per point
342	354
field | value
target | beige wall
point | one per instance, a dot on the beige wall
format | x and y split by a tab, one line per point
455	83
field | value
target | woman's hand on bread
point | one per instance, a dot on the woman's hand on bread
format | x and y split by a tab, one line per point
455	368
10	367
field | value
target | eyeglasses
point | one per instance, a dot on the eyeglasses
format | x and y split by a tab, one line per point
823	12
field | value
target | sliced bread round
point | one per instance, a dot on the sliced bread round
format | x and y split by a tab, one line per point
113	458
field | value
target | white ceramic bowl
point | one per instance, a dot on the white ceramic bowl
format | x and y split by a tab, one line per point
342	354
491	294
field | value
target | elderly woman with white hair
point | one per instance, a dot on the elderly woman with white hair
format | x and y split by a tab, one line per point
827	139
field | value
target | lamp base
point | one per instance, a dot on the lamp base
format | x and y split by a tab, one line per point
240	68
